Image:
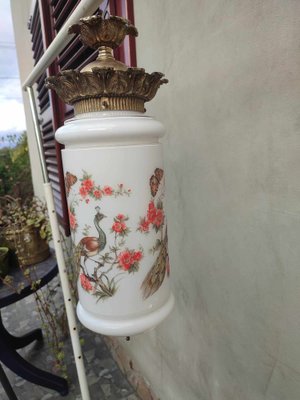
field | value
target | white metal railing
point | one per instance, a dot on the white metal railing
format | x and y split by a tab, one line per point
84	8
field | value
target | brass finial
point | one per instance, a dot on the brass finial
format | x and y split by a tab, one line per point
95	31
105	84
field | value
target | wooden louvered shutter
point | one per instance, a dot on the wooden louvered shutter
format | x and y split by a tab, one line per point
48	18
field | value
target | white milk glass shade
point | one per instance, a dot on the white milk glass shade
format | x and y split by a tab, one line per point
115	189
115	186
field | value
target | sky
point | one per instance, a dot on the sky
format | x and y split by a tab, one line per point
12	118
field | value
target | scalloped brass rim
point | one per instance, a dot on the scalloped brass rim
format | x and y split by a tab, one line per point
73	87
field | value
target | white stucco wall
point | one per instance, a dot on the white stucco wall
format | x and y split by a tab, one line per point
20	15
232	153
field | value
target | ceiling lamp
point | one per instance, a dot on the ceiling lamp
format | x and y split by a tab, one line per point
115	185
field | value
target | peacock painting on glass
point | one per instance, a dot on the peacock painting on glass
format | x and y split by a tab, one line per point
102	261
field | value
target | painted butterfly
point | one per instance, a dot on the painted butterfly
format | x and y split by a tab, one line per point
155	181
70	180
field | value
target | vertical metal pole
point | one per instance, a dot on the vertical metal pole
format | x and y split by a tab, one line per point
59	255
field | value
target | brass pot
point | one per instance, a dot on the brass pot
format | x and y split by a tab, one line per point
28	245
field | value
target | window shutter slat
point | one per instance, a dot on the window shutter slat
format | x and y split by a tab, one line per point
57	7
52	161
53	177
64	14
49	136
56	187
49	144
52	169
50	153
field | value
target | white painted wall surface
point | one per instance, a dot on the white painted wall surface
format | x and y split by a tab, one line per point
20	15
232	155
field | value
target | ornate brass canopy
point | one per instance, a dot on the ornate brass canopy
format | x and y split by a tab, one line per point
105	84
96	31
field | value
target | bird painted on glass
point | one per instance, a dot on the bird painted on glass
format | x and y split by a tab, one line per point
157	273
90	246
161	266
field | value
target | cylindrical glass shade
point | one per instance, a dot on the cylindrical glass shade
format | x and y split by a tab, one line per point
115	189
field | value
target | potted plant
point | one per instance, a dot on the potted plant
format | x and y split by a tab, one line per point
25	228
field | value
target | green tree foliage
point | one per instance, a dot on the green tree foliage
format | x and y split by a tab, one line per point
15	172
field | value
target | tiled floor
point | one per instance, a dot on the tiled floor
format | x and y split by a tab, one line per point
105	380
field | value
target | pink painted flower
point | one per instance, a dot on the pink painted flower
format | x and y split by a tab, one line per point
85	283
159	218
151	213
151	205
97	193
120	217
88	184
87	201
144	225
137	256
107	190
119	227
125	260
73	222
155	216
83	192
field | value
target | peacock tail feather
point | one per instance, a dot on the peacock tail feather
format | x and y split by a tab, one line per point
156	275
77	253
